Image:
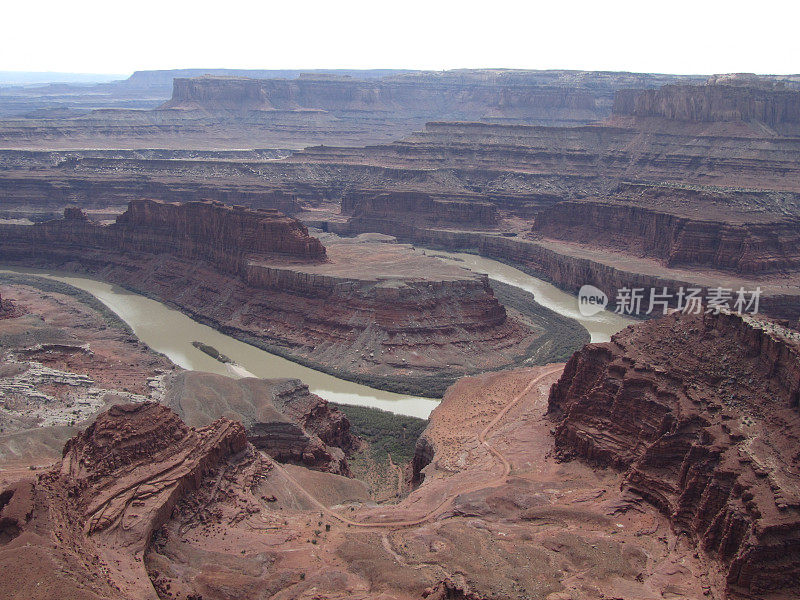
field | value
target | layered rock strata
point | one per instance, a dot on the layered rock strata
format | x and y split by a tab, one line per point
45	193
713	102
420	208
701	415
283	109
757	247
94	515
211	230
280	416
570	266
471	98
574	160
379	311
222	235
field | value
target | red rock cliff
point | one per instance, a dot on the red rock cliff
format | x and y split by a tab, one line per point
118	482
383	314
468	97
709	103
701	413
215	231
418	207
225	236
751	248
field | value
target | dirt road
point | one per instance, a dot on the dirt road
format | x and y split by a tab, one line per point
446	502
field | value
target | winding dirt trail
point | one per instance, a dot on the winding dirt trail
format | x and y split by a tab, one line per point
448	500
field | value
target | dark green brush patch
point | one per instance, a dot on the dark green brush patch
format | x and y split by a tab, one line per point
562	336
383	462
385	432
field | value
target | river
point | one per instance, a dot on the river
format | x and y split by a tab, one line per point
600	326
171	332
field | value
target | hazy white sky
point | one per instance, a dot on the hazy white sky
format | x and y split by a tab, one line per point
677	36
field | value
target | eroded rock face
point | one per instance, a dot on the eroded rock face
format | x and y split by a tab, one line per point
769	246
470	96
714	102
384	312
571	270
8	309
134	462
416	207
95	513
47	191
701	414
316	415
280	416
214	230
223	235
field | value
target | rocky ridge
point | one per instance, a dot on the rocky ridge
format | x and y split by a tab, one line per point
280	416
421	209
472	98
755	246
571	265
91	518
718	101
700	414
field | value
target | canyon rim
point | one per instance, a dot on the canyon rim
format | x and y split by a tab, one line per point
212	280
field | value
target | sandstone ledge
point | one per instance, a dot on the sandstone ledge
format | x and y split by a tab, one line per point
570	265
701	414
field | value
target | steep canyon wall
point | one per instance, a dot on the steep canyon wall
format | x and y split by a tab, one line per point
701	415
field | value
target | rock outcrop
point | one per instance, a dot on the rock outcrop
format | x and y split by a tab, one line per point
213	231
280	416
700	412
9	310
38	194
570	265
419	208
758	247
472	96
224	236
119	481
369	105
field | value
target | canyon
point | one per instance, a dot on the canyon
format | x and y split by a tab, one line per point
374	312
733	99
660	462
203	108
65	357
280	416
721	185
302	213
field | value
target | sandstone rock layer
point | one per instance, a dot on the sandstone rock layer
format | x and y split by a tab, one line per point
91	519
701	415
379	311
280	416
